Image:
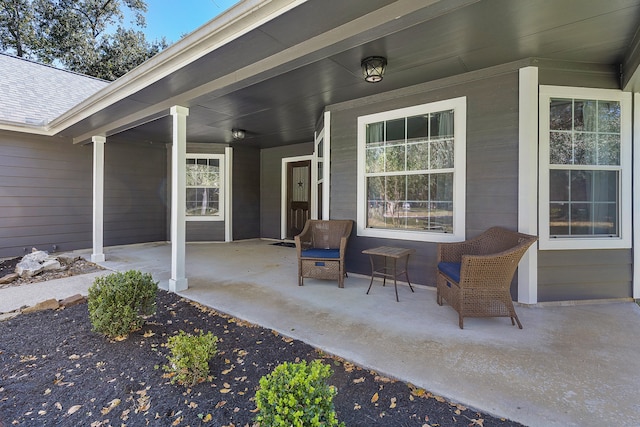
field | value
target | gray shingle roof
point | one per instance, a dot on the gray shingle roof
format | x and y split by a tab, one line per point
35	94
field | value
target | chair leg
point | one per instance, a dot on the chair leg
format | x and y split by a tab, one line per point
517	320
460	321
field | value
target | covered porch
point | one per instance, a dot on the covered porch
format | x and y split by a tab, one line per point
571	365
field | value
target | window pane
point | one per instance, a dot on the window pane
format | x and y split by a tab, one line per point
396	130
609	150
418	156
441	187
440	217
560	148
442	154
559	219
559	185
561	114
442	124
375	159
605	186
581	185
395	156
605	219
375	132
609	116
417	127
585	116
585	149
581	222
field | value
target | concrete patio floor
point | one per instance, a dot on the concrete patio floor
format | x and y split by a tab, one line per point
576	365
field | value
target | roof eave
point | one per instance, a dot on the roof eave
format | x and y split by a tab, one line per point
232	24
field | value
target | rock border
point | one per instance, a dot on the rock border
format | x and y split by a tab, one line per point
49	304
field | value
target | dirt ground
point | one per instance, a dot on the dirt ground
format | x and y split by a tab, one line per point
55	371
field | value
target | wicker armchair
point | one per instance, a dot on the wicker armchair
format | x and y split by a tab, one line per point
321	249
474	276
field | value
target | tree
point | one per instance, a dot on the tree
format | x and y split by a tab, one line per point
85	36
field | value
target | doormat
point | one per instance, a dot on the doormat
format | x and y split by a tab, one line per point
286	244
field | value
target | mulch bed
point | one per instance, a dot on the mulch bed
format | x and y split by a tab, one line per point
55	371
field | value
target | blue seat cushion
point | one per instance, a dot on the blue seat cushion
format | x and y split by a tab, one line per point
321	253
450	269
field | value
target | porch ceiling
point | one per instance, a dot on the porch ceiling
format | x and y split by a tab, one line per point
275	80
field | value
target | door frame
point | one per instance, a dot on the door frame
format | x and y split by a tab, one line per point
313	209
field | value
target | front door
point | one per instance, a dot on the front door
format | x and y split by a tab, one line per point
298	196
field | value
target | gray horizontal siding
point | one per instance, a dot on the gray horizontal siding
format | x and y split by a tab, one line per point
584	274
46	194
205	231
246	193
270	185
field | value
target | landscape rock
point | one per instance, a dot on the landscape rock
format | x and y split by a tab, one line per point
8	278
50	304
72	300
37	262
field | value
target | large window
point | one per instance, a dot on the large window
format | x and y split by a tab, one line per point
205	186
411	172
585	168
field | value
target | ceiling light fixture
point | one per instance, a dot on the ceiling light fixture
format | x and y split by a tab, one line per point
237	133
373	68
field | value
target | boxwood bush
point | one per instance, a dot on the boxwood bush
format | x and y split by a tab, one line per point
296	394
189	358
117	302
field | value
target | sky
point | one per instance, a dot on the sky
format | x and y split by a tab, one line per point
173	18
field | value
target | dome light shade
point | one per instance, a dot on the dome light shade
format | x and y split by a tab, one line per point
237	133
373	68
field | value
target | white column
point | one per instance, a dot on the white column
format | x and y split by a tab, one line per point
228	195
98	198
178	281
528	182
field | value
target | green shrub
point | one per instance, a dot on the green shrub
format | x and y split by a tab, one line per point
118	301
296	394
190	355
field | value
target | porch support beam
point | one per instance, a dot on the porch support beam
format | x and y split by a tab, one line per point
178	280
528	182
228	194
98	198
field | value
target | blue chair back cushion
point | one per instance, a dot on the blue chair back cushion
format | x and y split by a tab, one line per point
321	253
450	269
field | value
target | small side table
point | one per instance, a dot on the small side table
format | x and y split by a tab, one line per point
390	257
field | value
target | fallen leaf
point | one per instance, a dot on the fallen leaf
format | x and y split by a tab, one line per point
225	390
220	404
393	403
358	380
74	357
148	334
110	406
193	405
226	371
226	385
375	398
47	391
74	409
479	422
356	407
177	421
58	406
207	418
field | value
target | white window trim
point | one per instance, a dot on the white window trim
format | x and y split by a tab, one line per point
459	105
221	191
624	240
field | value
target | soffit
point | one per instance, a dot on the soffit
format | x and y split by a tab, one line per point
280	103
